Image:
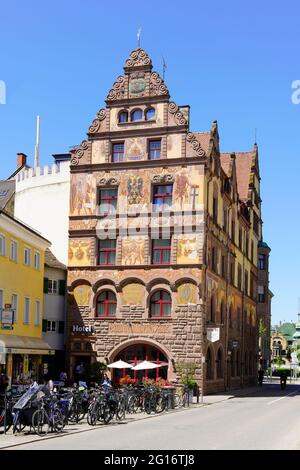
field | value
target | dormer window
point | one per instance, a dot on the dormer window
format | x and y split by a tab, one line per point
150	113
123	116
137	115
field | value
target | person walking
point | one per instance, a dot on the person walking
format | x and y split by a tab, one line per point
4	381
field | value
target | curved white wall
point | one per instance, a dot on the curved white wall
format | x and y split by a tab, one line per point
42	201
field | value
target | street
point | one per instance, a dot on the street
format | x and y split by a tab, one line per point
267	419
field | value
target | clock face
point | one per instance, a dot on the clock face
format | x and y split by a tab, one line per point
137	85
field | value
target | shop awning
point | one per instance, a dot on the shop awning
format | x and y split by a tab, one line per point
14	344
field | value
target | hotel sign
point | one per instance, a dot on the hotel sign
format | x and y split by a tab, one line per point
88	329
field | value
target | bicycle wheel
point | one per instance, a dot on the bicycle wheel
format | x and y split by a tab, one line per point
58	421
40	422
92	415
161	403
120	413
5	421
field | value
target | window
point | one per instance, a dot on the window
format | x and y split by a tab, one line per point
14	306
108	199
240	238
27	256
233	230
154	149
26	310
1	298
162	197
37	313
262	262
137	115
51	325
261	294
239	277
160	304
212	309
214	259
246	282
52	286
232	272
161	251
2	245
209	366
107	252
106	304
247	245
215	210
118	152
223	267
150	113
225	220
123	116
13	250
37	260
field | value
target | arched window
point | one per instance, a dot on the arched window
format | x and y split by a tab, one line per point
220	368
137	115
160	304
209	365
123	116
106	304
150	113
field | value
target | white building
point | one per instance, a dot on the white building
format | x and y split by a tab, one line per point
42	201
54	317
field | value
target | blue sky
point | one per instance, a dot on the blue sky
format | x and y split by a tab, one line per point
232	61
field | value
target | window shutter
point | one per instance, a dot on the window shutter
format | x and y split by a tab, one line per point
61	327
46	285
62	287
44	326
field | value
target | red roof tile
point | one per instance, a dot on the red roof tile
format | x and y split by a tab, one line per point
243	163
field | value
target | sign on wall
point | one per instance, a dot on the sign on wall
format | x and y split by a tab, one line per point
213	334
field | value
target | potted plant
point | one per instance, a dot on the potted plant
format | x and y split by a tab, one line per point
186	372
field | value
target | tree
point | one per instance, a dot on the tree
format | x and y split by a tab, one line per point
186	371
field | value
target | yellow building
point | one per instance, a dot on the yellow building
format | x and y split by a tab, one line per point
21	298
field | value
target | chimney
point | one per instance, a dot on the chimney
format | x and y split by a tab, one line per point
21	160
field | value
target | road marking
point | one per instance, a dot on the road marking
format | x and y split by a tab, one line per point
281	398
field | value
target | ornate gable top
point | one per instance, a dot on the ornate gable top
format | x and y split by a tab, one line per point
138	81
138	58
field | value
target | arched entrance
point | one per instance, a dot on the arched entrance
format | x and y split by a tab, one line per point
137	353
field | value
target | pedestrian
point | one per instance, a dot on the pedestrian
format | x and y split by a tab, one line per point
63	377
4	381
260	376
106	381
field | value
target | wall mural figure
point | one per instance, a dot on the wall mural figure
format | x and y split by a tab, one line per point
135	189
82	198
133	250
187	251
182	187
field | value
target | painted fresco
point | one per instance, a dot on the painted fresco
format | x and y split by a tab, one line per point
133	294
135	188
187	294
181	190
83	195
187	249
82	295
133	251
80	252
135	149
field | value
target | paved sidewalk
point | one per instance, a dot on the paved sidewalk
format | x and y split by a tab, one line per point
11	440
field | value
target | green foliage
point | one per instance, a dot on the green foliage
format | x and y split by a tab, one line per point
186	371
262	329
278	361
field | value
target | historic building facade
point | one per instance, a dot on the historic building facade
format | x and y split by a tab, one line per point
163	240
